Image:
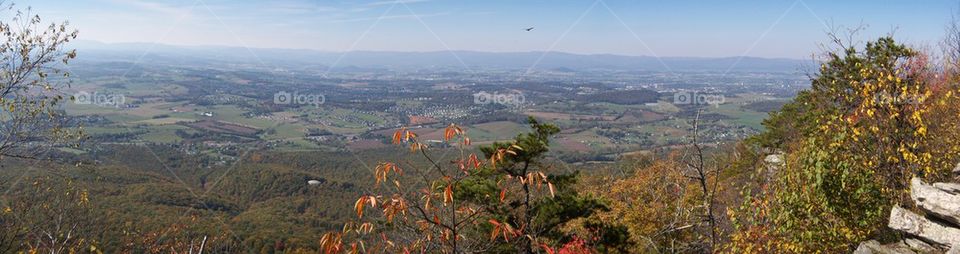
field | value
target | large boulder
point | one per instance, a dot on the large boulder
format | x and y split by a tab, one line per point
773	164
774	159
907	246
919	245
942	202
908	222
936	230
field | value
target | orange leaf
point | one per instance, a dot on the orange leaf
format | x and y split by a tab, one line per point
496	229
474	161
507	231
547	248
398	135
449	132
331	243
448	194
359	205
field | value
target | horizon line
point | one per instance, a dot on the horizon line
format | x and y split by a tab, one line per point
432	51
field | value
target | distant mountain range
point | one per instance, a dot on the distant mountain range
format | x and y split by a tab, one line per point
368	60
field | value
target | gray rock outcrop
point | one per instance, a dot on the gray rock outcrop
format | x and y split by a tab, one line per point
940	202
935	230
916	225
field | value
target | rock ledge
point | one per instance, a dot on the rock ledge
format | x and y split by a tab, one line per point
937	230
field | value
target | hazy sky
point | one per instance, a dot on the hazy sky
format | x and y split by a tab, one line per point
663	28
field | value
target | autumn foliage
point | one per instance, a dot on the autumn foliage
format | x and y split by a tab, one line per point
656	205
874	117
473	203
877	117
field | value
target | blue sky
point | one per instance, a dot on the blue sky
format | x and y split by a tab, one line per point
789	28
